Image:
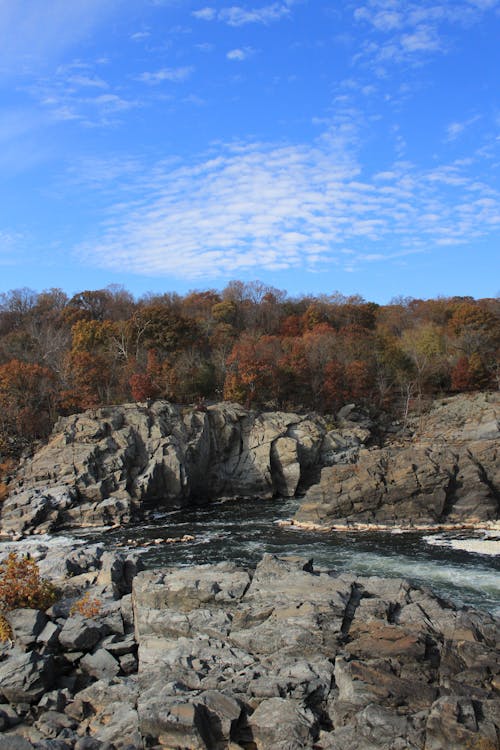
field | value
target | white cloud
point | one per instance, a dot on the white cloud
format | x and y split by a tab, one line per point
456	129
240	54
258	206
76	93
88	81
236	15
408	32
173	75
205	14
139	36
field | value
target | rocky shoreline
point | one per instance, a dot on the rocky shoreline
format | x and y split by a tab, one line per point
282	656
447	476
279	657
107	466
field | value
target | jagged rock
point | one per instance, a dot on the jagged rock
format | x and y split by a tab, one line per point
14	742
282	724
50	723
101	466
100	664
79	633
26	625
24	677
448	474
282	656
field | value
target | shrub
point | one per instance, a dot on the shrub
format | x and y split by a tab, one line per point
6	467
22	586
86	606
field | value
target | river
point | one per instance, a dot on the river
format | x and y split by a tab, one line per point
244	531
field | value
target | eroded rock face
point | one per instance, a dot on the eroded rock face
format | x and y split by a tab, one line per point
448	473
283	656
287	657
101	466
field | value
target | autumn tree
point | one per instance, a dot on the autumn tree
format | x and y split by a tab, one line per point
27	399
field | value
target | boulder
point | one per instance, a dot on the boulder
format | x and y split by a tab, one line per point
24	677
102	466
79	633
26	625
449	473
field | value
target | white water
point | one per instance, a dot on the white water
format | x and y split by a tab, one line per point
456	566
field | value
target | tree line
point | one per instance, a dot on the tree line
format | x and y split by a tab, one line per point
249	343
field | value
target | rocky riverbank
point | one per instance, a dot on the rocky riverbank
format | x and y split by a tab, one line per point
282	656
447	475
103	466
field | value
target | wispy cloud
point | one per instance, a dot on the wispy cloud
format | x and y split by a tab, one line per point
240	54
238	16
408	32
75	92
257	206
9	247
33	32
205	14
172	75
456	129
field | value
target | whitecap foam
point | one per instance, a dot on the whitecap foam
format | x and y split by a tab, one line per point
485	545
41	542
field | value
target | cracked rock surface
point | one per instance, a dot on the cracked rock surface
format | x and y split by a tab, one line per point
280	657
448	473
101	466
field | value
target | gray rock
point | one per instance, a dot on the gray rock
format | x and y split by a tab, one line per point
173	721
54	700
49	636
79	633
447	473
26	625
24	677
14	742
128	663
285	465
282	724
100	466
100	664
51	723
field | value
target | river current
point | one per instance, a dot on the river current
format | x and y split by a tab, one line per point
242	531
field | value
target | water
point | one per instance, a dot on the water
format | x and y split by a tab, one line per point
244	531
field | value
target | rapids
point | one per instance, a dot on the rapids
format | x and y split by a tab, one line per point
452	565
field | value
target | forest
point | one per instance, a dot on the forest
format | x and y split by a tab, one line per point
249	343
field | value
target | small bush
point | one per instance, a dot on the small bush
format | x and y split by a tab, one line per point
5	629
22	586
6	467
86	606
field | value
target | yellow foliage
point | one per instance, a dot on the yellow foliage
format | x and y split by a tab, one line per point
86	606
6	467
22	586
5	629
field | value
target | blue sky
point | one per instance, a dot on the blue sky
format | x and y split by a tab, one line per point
316	146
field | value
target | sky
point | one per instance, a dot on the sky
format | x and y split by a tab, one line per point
170	145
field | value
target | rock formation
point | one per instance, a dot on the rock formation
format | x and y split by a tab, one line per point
101	466
221	658
448	473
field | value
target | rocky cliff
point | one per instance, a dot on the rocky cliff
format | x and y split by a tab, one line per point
281	657
102	466
448	473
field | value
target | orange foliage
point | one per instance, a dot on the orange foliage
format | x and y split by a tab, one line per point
22	586
87	606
